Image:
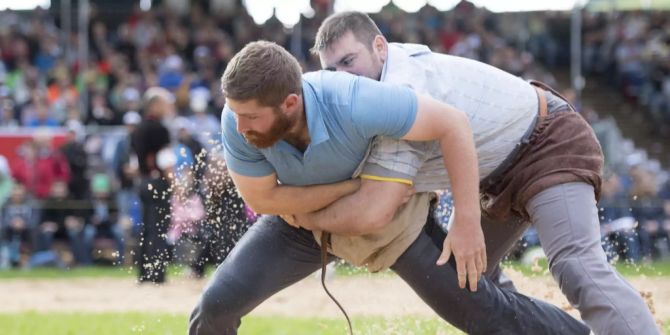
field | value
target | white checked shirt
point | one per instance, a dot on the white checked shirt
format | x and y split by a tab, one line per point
499	106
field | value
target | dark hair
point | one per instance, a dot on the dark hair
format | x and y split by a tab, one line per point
336	25
263	71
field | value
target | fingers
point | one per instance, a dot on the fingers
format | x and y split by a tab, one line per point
462	271
408	195
446	252
473	275
290	219
472	269
411	191
479	267
484	260
468	268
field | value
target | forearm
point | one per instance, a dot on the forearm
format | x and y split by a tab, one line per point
368	210
439	121
460	159
344	217
284	199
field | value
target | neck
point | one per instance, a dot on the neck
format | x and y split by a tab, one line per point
381	70
298	136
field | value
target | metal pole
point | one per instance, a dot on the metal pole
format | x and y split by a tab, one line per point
296	41
331	7
576	79
83	55
66	28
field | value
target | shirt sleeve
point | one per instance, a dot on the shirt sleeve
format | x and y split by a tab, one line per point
381	108
241	157
395	160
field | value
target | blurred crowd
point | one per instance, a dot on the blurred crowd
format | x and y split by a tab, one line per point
631	50
71	193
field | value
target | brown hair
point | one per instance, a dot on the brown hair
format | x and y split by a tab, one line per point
336	25
263	71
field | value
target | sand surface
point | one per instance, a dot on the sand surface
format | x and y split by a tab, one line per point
365	295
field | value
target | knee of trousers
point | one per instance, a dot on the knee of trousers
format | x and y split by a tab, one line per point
219	309
572	278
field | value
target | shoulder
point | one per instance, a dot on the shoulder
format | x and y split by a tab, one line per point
329	85
329	90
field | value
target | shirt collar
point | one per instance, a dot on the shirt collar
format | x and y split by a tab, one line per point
398	52
316	126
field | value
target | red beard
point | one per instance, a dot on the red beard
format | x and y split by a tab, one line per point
279	128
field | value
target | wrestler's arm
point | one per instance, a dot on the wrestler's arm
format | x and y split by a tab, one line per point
373	206
265	195
365	211
437	121
441	122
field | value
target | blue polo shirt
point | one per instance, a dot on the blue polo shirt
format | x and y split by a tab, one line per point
344	112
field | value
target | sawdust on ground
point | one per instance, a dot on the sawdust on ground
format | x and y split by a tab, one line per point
373	295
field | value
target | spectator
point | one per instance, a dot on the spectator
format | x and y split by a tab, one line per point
103	235
100	113
208	125
8	118
76	157
42	116
648	210
151	142
6	181
126	170
39	167
665	199
17	223
60	233
617	224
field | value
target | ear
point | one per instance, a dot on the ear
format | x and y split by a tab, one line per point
380	46
291	101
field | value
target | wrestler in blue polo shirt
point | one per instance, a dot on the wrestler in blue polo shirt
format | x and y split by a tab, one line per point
281	131
342	117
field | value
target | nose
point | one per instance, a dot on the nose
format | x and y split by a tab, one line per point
241	126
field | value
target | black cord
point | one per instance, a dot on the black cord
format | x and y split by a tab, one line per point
325	240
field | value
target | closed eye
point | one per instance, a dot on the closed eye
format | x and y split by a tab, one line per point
247	117
347	61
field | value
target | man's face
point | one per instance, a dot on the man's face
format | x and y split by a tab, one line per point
261	126
350	55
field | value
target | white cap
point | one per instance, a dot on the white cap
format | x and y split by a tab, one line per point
160	92
166	158
173	63
199	98
131	117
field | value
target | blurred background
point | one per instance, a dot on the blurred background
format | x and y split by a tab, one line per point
73	77
74	87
